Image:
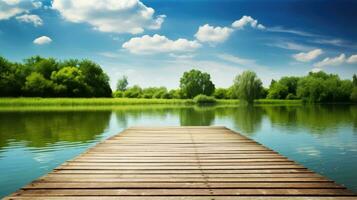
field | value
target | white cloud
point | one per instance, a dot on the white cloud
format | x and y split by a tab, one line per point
247	20
237	60
117	16
290	46
207	33
182	56
308	56
315	70
11	2
34	19
159	44
291	31
11	8
331	61
37	4
42	40
352	59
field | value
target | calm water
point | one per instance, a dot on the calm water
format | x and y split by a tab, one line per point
34	141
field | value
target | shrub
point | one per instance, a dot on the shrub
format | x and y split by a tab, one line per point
118	94
291	96
166	95
133	92
220	93
203	99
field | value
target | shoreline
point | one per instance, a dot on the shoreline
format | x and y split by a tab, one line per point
22	101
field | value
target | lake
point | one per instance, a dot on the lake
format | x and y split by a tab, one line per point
34	140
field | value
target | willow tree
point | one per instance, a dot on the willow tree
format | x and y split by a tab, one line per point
247	86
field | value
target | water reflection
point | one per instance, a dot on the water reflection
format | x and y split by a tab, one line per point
197	116
40	129
248	119
35	140
317	119
43	128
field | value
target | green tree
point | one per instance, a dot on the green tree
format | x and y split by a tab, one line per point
122	83
133	92
7	77
248	86
285	88
44	66
221	93
277	91
37	85
69	81
353	96
322	87
231	94
176	94
160	93
195	82
291	83
95	79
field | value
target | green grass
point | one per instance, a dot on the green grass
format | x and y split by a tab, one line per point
88	101
121	101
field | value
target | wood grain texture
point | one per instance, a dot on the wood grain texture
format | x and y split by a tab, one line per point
180	163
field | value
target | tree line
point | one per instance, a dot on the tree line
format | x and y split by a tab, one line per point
47	77
314	87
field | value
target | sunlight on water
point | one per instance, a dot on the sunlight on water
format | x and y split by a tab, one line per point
323	138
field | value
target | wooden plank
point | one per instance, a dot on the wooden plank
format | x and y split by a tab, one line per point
184	192
199	163
212	197
114	175
145	171
67	166
178	164
107	185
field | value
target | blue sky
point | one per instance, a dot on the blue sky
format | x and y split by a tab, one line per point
154	41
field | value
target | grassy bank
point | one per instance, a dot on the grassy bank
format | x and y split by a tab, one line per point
120	101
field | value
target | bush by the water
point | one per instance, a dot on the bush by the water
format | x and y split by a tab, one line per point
203	99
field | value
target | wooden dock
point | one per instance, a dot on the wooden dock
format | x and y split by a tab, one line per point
199	163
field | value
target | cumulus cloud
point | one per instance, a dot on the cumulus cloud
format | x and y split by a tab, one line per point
34	19
124	16
308	56
42	40
207	33
11	8
247	20
352	59
159	44
332	61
